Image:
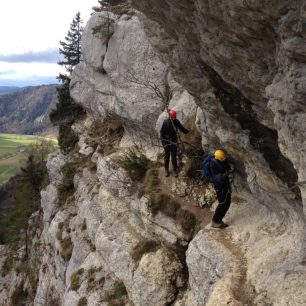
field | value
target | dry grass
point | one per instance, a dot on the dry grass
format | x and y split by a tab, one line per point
144	247
162	202
75	279
66	248
117	296
150	181
168	206
82	301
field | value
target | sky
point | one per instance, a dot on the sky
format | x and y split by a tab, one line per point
30	32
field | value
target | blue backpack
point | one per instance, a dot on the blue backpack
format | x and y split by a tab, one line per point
206	167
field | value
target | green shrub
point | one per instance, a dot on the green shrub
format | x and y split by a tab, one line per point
135	163
67	138
143	247
75	279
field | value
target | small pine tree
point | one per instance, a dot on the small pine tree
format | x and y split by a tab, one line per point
104	4
71	47
67	111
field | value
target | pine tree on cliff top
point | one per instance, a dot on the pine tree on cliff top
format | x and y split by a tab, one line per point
105	4
67	110
71	47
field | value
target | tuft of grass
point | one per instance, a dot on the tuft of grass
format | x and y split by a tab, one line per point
150	181
8	264
75	279
107	135
194	151
84	225
59	234
135	163
91	245
144	247
92	166
66	188
22	268
162	202
186	219
82	301
67	248
116	296
19	295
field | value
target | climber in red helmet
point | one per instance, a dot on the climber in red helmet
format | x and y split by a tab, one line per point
168	136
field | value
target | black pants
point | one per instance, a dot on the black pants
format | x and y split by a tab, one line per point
224	199
170	149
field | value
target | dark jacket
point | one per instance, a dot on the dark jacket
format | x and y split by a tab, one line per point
168	133
219	171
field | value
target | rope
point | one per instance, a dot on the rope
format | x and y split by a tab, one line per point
287	190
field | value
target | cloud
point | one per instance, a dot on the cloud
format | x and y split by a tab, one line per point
47	56
6	72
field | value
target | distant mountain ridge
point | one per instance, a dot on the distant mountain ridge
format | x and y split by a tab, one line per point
7	89
26	110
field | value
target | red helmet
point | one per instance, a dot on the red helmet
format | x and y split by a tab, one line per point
172	114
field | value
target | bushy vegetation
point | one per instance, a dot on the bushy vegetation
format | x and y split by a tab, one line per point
24	195
135	163
12	150
67	138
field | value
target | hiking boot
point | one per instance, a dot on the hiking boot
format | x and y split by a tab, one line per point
216	224
224	224
175	173
167	173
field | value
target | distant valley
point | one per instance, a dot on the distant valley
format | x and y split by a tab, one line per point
26	110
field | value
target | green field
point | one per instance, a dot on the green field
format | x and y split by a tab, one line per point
11	147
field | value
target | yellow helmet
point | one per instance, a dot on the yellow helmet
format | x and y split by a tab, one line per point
220	155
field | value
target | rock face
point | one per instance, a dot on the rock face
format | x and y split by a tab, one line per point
238	68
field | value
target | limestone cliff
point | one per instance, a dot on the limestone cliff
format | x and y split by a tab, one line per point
236	72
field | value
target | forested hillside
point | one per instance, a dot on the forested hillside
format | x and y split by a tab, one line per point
26	111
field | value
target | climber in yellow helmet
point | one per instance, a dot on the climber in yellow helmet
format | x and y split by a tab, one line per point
220	171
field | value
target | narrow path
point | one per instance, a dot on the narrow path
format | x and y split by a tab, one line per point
169	186
243	291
